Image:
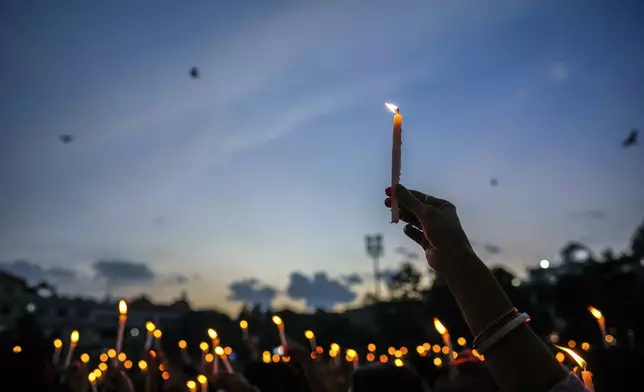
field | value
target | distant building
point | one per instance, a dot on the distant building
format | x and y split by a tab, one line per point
96	321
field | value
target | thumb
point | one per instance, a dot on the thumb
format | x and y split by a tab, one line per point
409	201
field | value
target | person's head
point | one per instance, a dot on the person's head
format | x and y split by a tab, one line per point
387	377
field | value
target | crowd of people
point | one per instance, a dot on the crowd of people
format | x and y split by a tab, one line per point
504	355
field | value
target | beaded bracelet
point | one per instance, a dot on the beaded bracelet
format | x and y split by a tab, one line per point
503	332
493	325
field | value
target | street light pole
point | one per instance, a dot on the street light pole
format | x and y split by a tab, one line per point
375	250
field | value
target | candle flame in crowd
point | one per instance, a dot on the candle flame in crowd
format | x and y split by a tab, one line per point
309	334
158	333
182	344
17	349
111	353
150	326
192	386
203	346
122	308
58	343
595	312
574	356
243	324
212	333
439	326
92	378
277	320
84	357
219	351
393	108
74	337
143	365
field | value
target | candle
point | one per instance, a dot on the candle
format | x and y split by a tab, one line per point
148	339
58	346
586	375
203	382
204	351
184	355
92	380
280	327
601	321
220	353
243	324
158	334
352	356
311	337
334	353
192	386
122	320
396	152
445	335
73	339
214	336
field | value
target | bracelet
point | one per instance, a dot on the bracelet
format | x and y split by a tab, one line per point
503	332
494	325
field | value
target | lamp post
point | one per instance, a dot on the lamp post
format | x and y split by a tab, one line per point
375	250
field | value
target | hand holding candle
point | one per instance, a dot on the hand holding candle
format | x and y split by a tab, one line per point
280	327
396	154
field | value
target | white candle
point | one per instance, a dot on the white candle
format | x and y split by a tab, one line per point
203	382
121	329
586	376
244	327
73	341
311	337
150	327
280	327
58	346
396	153
220	353
601	321
215	342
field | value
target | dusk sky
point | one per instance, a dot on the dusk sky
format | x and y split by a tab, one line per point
275	160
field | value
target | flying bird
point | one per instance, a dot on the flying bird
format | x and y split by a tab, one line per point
194	73
494	182
66	138
631	139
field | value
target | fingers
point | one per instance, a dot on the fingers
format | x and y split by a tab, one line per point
409	201
415	234
404	214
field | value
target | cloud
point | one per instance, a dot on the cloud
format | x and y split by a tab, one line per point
122	272
595	214
558	72
252	291
34	273
319	292
493	249
352	279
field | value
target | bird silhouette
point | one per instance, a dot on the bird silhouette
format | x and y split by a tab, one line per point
66	138
194	73
494	182
631	139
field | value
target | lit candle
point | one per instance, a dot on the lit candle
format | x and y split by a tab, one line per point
280	327
311	337
220	353
244	327
204	351
445	335
192	386
121	330
92	380
601	321
396	151
352	356
334	353
586	375
58	347
203	382
73	341
214	336
148	339
158	334
184	355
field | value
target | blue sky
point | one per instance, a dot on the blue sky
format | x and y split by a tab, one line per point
276	159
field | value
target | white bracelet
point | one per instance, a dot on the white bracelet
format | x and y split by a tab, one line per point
502	332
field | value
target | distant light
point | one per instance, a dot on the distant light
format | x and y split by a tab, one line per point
516	282
544	264
17	349
134	332
30	307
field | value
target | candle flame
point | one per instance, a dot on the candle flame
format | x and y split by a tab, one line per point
574	356
202	379
351	353
393	108
277	320
212	333
74	336
219	350
243	324
182	344
309	334
203	346
158	333
150	326
191	385
439	326
595	312
122	308
58	343
91	377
